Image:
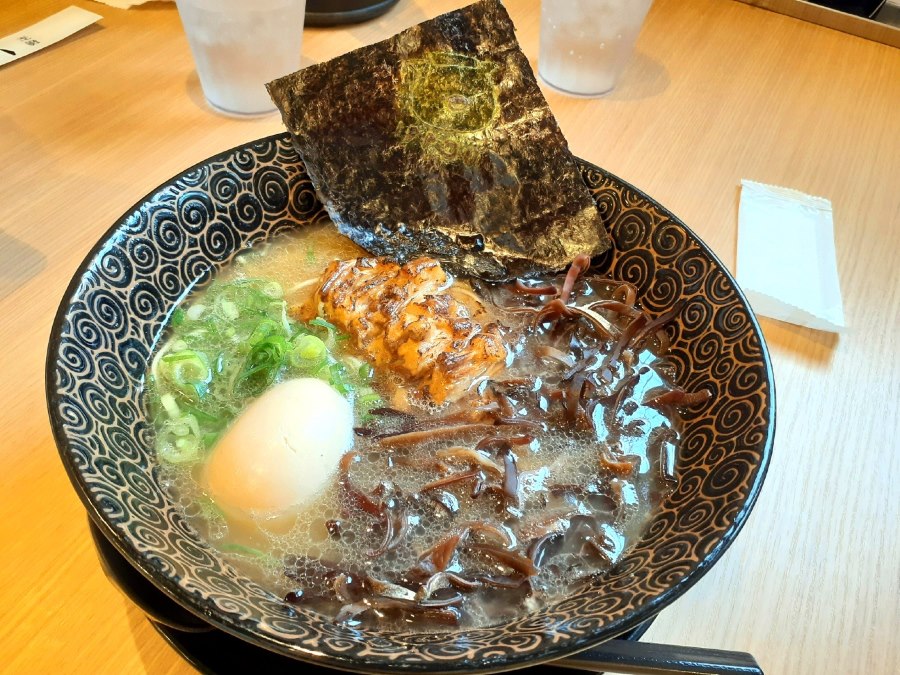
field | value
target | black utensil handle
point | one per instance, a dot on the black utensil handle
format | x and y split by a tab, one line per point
647	658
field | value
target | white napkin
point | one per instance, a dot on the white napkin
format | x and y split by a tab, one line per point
45	33
125	4
785	259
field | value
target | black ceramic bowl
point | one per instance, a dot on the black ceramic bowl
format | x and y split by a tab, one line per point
119	300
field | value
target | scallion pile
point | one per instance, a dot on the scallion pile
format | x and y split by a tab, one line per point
227	347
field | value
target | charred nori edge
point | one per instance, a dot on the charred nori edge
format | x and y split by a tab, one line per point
438	140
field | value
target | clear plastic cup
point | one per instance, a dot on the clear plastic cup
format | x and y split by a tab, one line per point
586	44
239	45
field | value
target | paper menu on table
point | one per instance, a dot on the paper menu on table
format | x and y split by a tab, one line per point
45	33
127	4
786	261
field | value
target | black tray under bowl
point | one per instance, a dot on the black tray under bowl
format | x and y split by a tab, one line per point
322	13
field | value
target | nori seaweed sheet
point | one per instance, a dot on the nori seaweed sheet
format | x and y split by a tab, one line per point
439	141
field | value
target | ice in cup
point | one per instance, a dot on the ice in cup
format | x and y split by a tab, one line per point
586	44
239	45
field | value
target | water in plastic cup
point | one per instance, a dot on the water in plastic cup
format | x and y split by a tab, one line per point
239	45
586	44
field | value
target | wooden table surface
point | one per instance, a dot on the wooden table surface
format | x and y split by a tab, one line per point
718	91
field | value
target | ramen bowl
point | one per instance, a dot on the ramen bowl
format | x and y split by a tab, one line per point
174	240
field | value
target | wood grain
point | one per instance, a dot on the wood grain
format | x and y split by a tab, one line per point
718	91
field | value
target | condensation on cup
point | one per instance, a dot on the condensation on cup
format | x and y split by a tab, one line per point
239	45
586	44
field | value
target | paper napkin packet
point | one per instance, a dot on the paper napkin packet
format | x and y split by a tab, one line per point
126	4
786	261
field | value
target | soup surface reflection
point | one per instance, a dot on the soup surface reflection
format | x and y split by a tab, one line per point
335	455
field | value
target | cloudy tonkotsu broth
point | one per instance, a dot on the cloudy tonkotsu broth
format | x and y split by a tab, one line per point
542	472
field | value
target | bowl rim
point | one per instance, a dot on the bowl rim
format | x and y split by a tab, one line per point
541	654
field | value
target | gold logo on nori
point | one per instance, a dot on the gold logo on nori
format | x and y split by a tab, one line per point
451	92
450	104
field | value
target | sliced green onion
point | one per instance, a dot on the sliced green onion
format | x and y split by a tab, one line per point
194	312
192	423
228	309
273	290
322	323
338	379
180	429
235	342
180	451
264	329
369	399
188	370
154	365
310	348
188	366
201	415
286	322
331	329
170	405
262	366
243	550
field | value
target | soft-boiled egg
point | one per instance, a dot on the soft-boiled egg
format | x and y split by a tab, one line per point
281	452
